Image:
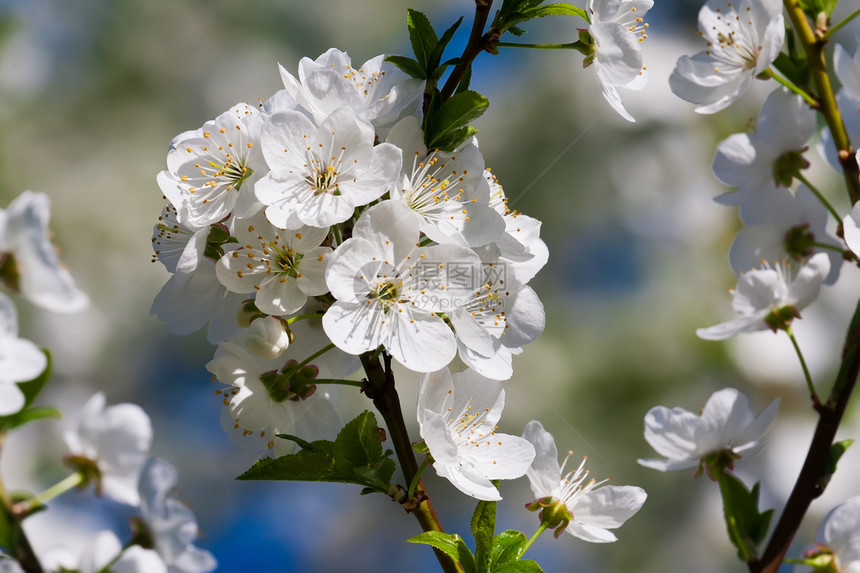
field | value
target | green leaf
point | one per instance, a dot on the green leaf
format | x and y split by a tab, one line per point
34	387
7	531
28	415
527	566
436	56
507	546
357	444
814	7
453	115
355	456
746	527
453	140
516	31
836	451
422	36
450	544
408	65
559	9
483	527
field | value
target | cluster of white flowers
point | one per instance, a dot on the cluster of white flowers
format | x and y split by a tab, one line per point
324	222
325	203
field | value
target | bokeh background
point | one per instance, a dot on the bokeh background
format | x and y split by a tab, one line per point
92	91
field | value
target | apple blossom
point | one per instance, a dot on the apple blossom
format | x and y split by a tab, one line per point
618	30
768	158
765	299
378	92
106	552
587	510
457	417
743	39
20	359
320	174
9	565
170	524
847	69
388	289
266	337
211	171
113	444
28	261
283	267
725	428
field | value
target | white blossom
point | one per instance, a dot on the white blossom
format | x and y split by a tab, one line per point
269	397
116	440
9	565
29	262
767	158
838	539
787	228
378	92
266	337
743	39
444	191
765	298
592	508
618	30
851	227
20	359
320	174
282	267
458	416
725	424
211	171
170	522
388	290
847	70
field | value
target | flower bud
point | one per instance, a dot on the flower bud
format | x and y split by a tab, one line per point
553	512
267	338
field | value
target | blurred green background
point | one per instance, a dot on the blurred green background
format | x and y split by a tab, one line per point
92	91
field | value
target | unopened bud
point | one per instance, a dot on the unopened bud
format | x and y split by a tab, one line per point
267	338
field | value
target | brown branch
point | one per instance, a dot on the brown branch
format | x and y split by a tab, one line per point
380	388
811	481
478	42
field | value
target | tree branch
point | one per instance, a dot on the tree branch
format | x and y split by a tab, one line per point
478	42
810	483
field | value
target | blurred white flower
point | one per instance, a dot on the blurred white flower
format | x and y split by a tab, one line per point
838	541
28	261
725	427
105	551
848	99
587	510
169	522
851	227
457	417
767	158
115	441
618	30
9	565
20	360
765	299
743	40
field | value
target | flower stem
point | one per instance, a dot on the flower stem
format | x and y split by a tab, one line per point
814	48
58	489
380	388
799	176
806	374
536	46
809	484
813	103
827	246
19	546
841	24
314	356
416	479
532	539
303	317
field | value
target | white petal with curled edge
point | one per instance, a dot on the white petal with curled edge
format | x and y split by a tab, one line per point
545	472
